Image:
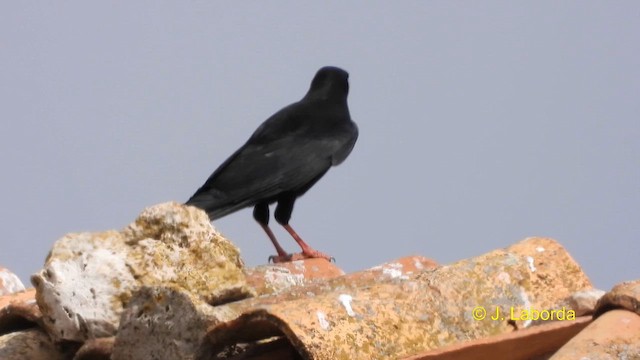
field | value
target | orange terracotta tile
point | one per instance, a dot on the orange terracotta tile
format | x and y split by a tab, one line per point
95	349
517	345
268	279
273	278
385	312
404	266
396	270
613	335
615	332
19	311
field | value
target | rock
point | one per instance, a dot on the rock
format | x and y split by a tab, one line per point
88	278
625	295
32	344
83	287
9	282
584	302
165	323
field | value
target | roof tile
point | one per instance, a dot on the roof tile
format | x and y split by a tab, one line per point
32	344
19	311
529	343
382	314
95	349
273	278
614	334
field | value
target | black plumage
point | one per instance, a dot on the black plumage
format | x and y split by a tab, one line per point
285	157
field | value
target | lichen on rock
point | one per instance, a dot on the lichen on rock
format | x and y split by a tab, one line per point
88	278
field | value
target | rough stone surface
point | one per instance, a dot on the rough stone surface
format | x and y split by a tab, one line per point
173	244
88	278
32	344
83	286
165	323
584	302
9	282
625	295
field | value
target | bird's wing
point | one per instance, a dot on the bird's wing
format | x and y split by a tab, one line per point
259	172
345	143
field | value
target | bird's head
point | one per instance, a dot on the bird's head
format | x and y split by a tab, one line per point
329	82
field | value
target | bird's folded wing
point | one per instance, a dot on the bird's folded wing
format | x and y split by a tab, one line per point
262	171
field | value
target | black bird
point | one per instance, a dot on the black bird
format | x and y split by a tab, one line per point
284	158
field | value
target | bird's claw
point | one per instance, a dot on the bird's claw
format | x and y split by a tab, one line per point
275	259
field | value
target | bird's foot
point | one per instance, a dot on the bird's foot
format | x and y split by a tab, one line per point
309	254
286	258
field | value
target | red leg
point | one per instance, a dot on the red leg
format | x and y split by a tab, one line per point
307	251
282	255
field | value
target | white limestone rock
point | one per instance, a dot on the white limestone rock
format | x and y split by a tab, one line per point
584	302
9	282
88	278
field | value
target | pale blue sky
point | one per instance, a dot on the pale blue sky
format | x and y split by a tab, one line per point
481	123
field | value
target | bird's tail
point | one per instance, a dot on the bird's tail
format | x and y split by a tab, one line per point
213	203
